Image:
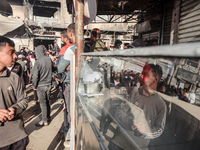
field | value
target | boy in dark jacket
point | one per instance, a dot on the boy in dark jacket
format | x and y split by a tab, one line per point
12	100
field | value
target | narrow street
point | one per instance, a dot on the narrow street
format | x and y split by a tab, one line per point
49	137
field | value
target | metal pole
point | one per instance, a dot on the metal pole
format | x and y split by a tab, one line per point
162	26
73	104
79	46
73	12
79	32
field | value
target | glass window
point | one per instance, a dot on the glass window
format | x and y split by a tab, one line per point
142	102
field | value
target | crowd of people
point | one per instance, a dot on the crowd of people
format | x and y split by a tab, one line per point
132	94
46	67
133	105
43	67
129	78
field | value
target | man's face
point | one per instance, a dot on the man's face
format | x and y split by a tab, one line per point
117	75
7	56
92	38
125	47
62	38
147	78
70	35
66	40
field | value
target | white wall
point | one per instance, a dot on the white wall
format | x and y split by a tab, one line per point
18	11
19	43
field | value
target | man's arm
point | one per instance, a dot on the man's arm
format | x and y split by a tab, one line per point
65	61
63	64
158	119
21	101
35	75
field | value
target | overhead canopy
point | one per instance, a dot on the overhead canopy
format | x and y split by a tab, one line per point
90	10
127	8
10	24
121	7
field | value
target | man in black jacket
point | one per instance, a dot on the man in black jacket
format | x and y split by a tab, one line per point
41	80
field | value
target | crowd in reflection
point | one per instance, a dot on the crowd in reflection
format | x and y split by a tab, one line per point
141	113
136	106
131	79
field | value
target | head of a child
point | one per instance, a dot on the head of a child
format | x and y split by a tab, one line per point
7	53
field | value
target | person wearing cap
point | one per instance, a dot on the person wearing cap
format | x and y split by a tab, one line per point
21	62
97	44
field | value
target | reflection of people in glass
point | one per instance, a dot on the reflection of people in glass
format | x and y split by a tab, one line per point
117	80
116	87
145	102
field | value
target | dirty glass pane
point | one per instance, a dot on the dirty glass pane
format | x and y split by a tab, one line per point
142	102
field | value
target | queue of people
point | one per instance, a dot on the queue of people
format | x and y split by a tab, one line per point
38	67
46	67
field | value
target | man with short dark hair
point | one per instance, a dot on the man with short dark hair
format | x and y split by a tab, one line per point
13	100
65	40
147	121
64	67
117	45
97	44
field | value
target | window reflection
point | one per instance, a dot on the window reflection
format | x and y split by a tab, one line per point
142	103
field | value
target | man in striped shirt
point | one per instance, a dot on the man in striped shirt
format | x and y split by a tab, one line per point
148	113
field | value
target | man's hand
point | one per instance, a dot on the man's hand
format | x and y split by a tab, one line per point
4	115
138	126
11	113
68	67
56	78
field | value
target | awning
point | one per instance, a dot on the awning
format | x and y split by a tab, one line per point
8	25
90	10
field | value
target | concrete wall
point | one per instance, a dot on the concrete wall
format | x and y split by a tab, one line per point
65	16
18	11
58	40
19	43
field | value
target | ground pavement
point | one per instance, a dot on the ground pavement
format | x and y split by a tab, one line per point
49	137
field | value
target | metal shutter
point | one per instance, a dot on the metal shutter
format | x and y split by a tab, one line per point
167	23
150	36
189	25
